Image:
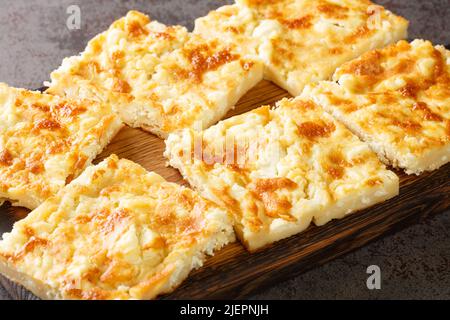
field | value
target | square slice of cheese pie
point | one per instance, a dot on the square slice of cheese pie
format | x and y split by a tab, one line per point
303	41
47	141
398	100
118	62
278	170
115	232
160	78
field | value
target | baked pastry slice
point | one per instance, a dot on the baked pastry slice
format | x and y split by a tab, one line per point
157	77
116	232
278	170
47	141
118	62
303	41
396	99
193	87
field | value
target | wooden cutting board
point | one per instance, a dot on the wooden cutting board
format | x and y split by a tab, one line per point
235	273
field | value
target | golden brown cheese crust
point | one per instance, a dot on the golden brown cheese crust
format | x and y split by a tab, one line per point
47	141
231	24
423	69
303	41
116	232
203	58
119	61
158	77
277	170
197	84
398	99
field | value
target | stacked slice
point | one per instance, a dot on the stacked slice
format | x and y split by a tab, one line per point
277	170
116	232
47	141
396	99
157	77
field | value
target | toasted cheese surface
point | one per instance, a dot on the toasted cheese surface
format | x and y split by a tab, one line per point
278	170
46	141
233	24
118	63
116	232
195	86
398	100
306	40
158	77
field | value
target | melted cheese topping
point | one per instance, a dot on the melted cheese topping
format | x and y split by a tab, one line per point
46	141
116	232
232	24
279	169
397	99
159	78
118	62
303	41
196	85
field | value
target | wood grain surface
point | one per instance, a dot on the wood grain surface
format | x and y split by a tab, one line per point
233	272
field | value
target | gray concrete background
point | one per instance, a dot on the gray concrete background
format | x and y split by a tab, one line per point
415	263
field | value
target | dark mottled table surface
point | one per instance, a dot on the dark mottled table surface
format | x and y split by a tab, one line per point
415	263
